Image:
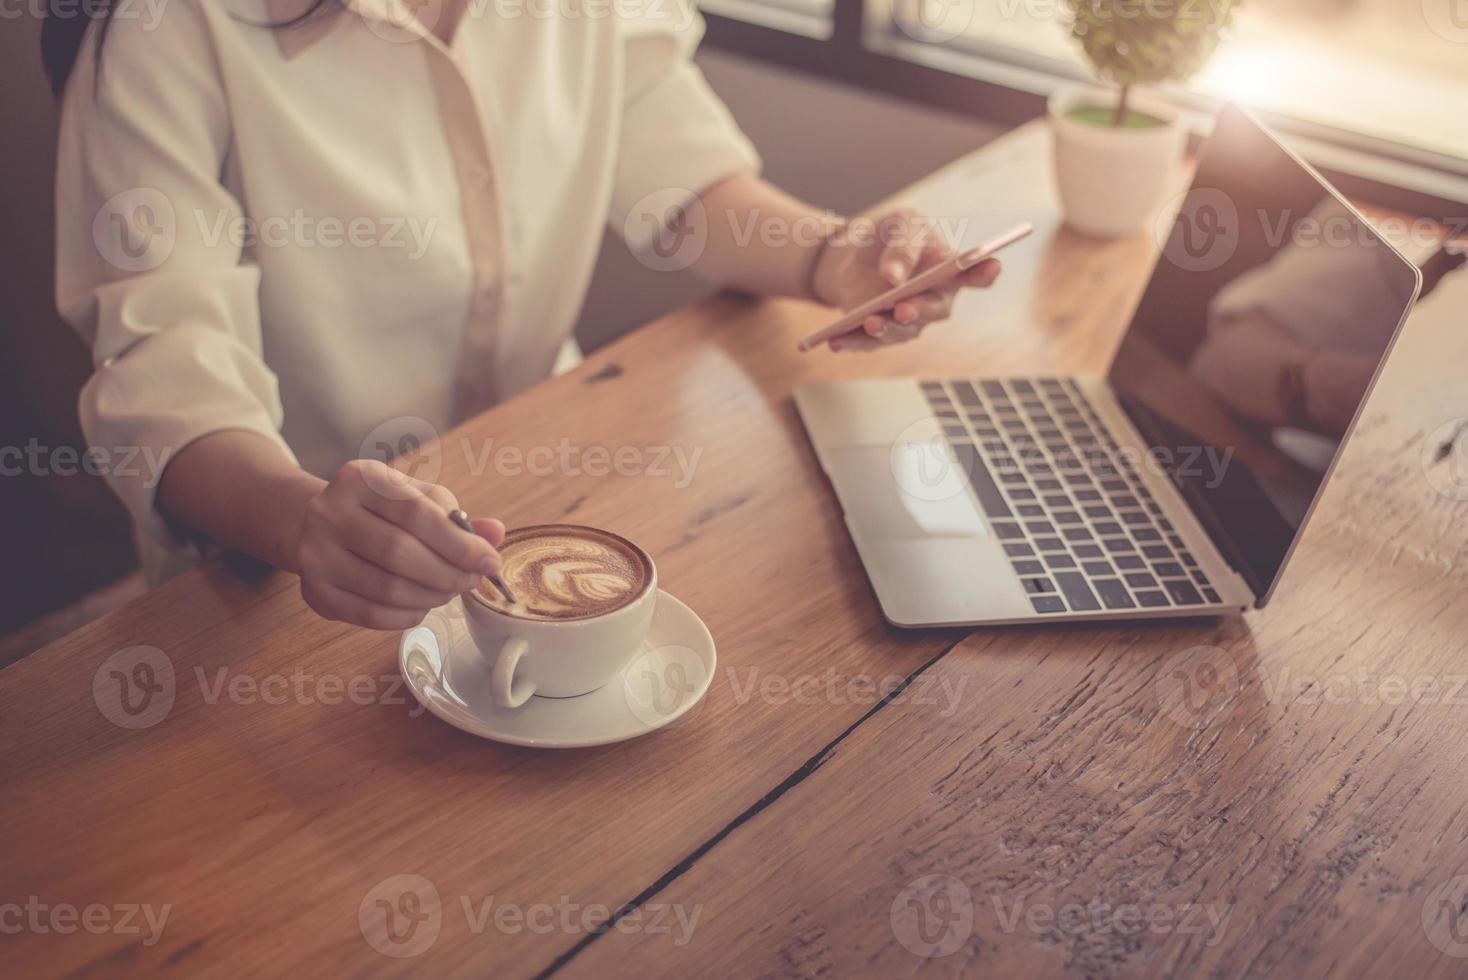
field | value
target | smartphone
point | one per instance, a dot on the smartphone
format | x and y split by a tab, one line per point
936	276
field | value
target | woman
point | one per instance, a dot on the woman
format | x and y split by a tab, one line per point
279	227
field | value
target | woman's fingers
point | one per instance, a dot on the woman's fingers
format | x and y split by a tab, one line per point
885	332
422	510
982	275
854	341
925	308
378	548
355	574
399	551
904	239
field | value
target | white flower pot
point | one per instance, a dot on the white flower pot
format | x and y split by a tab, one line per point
1112	181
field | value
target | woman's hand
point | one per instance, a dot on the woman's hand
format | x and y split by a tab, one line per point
377	548
870	256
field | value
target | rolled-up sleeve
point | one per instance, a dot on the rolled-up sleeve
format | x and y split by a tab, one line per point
150	270
678	137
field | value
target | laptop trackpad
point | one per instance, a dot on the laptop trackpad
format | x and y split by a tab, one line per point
904	491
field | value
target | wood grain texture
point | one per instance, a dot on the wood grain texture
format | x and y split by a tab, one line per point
266	816
1274	795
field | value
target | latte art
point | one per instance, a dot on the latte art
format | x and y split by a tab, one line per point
563	571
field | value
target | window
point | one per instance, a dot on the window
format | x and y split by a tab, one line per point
1392	69
811	18
1393	73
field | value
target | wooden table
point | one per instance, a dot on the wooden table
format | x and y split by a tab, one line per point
1234	797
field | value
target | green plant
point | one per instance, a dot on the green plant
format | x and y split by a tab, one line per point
1139	42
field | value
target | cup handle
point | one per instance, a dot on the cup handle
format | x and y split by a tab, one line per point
508	692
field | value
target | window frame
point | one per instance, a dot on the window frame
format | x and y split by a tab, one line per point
862	45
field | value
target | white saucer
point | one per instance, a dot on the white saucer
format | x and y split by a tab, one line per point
661	684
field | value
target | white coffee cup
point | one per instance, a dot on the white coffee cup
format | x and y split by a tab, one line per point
558	658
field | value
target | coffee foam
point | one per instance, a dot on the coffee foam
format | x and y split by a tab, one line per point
563	571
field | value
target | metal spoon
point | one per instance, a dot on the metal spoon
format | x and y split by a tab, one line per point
462	519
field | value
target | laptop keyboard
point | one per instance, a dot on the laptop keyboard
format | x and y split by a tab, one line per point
1081	530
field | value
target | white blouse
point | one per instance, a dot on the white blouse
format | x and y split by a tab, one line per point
318	232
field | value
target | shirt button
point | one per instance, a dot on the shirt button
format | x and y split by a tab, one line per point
483	300
478	176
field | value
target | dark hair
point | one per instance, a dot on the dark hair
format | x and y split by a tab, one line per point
62	35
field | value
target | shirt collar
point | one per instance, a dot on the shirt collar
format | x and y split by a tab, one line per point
386	16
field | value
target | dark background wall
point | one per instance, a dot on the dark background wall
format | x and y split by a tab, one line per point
65	536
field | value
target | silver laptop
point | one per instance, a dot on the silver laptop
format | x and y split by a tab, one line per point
1176	485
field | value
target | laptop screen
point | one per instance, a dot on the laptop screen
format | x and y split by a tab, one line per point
1256	340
